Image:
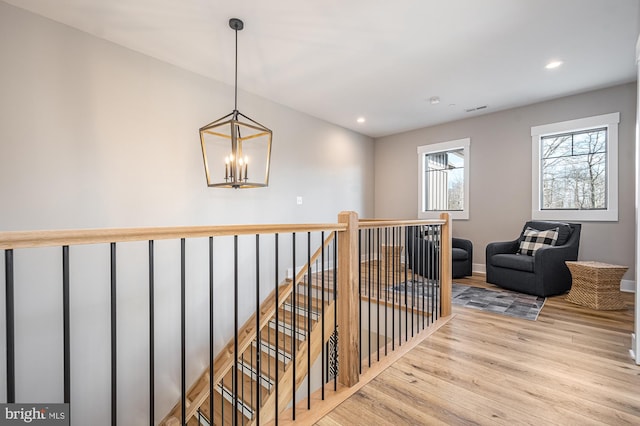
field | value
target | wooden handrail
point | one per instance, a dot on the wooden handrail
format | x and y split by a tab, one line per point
376	223
30	239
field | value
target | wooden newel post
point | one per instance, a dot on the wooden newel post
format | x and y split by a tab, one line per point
445	266
348	301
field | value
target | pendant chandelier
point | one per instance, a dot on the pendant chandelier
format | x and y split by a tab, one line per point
235	141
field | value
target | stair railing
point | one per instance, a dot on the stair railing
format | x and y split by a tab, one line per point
358	247
384	308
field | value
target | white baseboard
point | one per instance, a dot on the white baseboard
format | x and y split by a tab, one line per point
479	268
628	286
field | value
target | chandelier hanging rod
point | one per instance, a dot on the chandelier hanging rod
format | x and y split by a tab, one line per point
237	25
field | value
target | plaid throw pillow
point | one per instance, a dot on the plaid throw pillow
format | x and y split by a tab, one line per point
532	240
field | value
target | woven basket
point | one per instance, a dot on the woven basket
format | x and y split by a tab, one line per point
596	285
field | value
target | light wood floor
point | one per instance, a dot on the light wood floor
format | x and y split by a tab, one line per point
570	367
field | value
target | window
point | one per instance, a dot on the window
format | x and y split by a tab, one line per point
575	169
443	183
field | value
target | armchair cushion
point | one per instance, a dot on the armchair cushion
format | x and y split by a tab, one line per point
459	254
532	240
514	261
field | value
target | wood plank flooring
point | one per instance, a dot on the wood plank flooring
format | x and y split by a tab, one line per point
570	367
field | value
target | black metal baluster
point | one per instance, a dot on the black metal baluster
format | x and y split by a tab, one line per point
241	378
378	293
277	286
211	340
369	275
393	289
10	326
406	282
258	364
66	324
183	330
323	380
427	285
439	276
426	271
386	285
151	336
359	298
335	311
295	330
114	341
434	271
235	331
309	308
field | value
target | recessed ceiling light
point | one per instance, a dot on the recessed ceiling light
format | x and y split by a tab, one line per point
361	120
553	64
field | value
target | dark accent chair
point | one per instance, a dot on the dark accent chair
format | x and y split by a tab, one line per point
544	274
426	258
461	257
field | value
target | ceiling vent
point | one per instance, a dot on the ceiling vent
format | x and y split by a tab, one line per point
476	108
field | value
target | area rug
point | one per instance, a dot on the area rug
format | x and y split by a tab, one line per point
499	301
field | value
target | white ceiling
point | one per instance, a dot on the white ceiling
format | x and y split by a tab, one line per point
341	59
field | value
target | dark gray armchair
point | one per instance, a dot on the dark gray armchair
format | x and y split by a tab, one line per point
424	260
544	274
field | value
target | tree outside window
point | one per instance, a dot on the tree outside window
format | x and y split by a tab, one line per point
575	169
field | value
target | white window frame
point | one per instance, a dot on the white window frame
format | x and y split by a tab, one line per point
464	144
610	214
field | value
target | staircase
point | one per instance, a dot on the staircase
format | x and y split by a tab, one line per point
271	364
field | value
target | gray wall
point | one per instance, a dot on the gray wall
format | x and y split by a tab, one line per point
95	135
500	174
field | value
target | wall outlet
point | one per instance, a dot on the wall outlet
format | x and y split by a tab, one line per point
299	200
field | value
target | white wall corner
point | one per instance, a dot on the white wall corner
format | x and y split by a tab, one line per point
628	286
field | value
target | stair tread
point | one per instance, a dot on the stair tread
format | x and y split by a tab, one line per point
302	301
248	392
267	362
269	335
218	403
286	322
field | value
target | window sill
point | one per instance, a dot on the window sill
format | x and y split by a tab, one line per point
576	215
